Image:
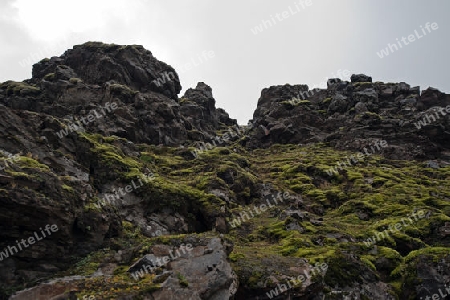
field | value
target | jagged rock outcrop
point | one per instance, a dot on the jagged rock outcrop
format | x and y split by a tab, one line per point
198	107
351	115
96	63
80	86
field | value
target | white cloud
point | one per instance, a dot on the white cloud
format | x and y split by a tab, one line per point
48	20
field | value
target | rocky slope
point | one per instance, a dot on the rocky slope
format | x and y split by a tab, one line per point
98	144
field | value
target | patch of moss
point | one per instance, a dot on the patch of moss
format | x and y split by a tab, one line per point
30	163
49	77
295	102
75	80
20	88
182	280
371	115
340	212
234	257
67	188
122	90
363	85
341	272
91	207
327	100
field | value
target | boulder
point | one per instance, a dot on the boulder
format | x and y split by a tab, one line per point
360	78
97	63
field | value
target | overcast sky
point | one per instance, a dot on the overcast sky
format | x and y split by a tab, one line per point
299	42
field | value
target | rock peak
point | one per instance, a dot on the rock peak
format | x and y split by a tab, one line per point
131	65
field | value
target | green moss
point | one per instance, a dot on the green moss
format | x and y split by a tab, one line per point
318	195
128	226
29	163
295	102
67	188
368	261
292	244
147	157
93	45
122	89
49	77
341	272
434	252
75	80
351	175
19	88
182	280
363	85
111	157
92	206
18	175
343	210
371	115
255	278
234	257
326	101
278	230
87	266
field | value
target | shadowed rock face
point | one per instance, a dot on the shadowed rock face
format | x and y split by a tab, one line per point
198	107
352	115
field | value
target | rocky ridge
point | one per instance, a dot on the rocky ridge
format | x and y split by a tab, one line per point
350	115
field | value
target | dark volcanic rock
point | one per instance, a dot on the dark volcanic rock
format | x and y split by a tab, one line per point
97	63
86	80
198	108
360	78
353	116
